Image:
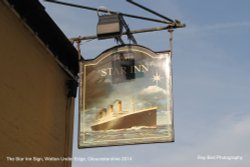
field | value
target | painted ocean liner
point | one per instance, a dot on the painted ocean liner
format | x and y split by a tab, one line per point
114	118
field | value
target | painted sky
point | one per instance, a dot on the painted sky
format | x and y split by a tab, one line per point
211	65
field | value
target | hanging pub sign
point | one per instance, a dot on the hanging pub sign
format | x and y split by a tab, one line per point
126	98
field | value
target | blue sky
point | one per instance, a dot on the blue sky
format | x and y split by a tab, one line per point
211	67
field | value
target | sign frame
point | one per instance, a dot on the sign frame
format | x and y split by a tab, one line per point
112	71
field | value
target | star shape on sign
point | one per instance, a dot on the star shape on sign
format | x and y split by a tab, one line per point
156	78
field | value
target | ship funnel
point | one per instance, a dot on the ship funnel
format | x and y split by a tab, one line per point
119	106
102	113
110	109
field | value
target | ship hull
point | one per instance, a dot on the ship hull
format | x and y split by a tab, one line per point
144	118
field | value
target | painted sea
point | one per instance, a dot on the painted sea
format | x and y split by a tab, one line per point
134	135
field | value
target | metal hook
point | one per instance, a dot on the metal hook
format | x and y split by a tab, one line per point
102	9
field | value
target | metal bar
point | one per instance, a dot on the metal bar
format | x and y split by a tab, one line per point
124	33
119	39
130	36
78	47
112	12
83	38
150	10
171	40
